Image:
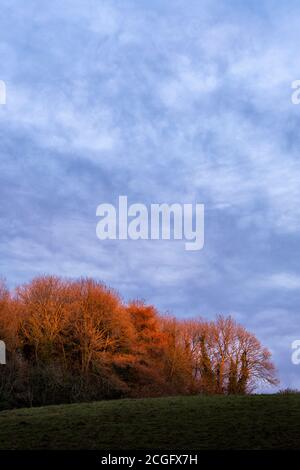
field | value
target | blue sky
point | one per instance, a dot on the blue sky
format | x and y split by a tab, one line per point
163	101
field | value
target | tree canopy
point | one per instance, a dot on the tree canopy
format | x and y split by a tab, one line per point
76	340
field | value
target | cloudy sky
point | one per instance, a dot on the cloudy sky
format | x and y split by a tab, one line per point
162	101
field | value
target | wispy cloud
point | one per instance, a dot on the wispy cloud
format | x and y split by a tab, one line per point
282	281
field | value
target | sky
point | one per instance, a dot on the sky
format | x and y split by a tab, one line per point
165	102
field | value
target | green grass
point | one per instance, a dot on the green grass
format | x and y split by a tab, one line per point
198	422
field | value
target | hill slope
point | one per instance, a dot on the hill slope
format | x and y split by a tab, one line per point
249	422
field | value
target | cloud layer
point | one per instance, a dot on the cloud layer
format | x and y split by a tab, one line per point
162	103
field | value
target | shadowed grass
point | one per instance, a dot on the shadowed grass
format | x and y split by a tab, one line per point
198	422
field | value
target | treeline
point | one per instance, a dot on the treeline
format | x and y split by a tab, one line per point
70	341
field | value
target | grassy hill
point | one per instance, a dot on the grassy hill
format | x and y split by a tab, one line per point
220	422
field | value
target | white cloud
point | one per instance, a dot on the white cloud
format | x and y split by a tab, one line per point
55	122
284	280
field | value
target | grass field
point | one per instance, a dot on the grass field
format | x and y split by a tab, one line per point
220	422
